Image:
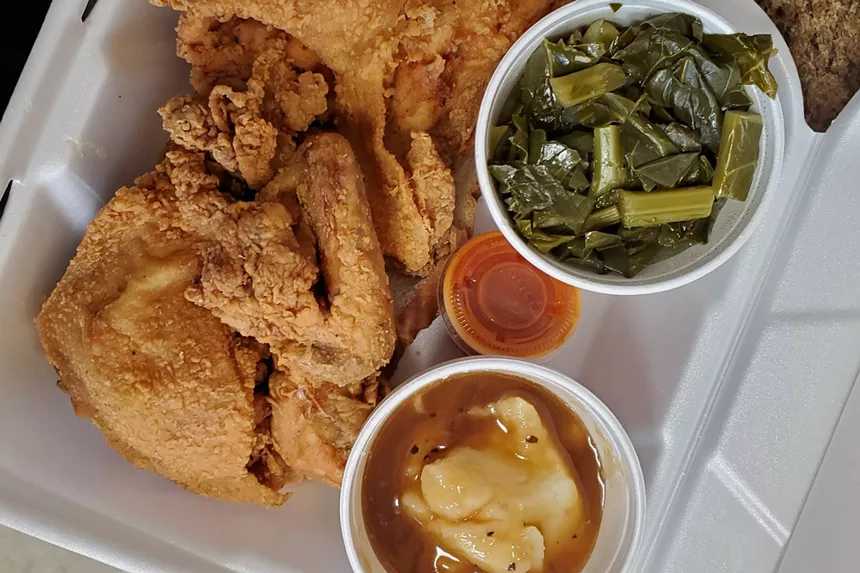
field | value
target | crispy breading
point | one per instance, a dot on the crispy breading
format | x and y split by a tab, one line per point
134	331
169	386
256	280
314	425
249	130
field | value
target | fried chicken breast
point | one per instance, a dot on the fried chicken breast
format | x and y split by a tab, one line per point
170	387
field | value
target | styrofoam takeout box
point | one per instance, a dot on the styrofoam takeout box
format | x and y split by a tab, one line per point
737	220
729	387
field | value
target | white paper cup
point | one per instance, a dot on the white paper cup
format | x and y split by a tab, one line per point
621	529
736	221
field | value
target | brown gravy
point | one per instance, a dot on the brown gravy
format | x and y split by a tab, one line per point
428	425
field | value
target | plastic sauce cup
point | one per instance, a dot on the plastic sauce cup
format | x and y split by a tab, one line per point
493	301
622	526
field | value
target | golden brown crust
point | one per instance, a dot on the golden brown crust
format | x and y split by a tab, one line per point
168	385
401	68
258	278
249	129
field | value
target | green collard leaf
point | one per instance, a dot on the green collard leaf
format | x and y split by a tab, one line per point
641	258
503	174
535	91
519	139
644	142
683	137
723	76
559	159
683	24
591	114
635	238
666	172
607	109
596	240
660	113
652	50
679	236
578	180
532	189
500	142
751	53
591	262
537	139
622	41
620	106
572	249
616	260
581	141
701	173
524	226
565	59
546	242
684	91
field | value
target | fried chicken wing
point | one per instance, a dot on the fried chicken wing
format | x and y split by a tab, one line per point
258	278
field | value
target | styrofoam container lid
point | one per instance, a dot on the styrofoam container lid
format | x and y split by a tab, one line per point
737	220
621	529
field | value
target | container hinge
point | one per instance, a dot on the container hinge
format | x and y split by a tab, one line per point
88	9
4	200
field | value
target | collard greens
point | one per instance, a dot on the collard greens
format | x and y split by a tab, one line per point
625	143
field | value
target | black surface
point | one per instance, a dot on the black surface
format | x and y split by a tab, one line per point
23	19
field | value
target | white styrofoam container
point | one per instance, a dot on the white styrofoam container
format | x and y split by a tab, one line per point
729	387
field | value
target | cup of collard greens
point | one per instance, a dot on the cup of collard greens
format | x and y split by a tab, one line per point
631	149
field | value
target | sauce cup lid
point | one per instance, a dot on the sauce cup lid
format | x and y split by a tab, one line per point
496	302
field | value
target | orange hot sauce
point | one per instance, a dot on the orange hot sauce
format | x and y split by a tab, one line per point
496	302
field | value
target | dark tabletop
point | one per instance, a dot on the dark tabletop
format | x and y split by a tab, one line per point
23	20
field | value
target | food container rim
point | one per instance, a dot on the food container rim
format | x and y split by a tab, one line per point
547	27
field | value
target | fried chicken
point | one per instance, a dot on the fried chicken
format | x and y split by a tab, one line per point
409	76
225	320
247	120
134	331
170	387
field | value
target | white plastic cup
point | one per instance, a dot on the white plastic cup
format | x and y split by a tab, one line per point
736	221
620	535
